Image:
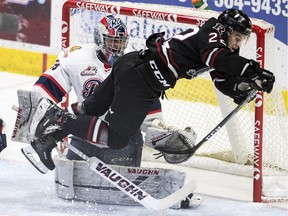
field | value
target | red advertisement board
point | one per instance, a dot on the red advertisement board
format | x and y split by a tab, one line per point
26	21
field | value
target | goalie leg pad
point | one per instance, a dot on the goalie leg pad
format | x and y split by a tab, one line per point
75	180
27	104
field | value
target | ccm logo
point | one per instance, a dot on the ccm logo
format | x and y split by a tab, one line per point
158	74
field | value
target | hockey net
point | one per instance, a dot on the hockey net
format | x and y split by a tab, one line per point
254	143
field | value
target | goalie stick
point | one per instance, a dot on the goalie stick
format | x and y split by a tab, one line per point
132	190
215	130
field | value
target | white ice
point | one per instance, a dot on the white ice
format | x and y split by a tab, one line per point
26	192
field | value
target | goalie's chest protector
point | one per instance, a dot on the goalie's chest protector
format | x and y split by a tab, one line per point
85	70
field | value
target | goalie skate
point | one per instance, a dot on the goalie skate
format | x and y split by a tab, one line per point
48	118
43	147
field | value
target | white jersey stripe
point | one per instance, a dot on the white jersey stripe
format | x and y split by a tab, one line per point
244	69
218	80
96	130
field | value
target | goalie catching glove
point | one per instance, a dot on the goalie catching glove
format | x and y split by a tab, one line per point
161	138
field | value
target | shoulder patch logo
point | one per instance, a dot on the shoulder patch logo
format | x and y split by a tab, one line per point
73	48
192	73
220	28
89	71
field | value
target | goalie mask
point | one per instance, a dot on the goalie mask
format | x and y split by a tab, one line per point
236	20
112	34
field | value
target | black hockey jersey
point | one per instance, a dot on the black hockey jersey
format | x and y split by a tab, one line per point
194	51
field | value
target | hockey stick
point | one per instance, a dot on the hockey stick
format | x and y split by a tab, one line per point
130	189
215	130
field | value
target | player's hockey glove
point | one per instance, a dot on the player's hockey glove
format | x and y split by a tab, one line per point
241	92
258	78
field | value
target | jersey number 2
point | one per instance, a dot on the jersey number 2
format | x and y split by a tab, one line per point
213	38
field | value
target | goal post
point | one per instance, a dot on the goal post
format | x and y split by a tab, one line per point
254	143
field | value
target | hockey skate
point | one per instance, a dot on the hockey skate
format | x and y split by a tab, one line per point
48	118
32	156
43	148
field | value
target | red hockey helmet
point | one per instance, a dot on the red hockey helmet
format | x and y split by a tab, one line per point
112	34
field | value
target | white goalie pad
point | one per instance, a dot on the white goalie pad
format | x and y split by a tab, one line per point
27	104
76	181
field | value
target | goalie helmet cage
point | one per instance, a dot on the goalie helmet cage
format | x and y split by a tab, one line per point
247	145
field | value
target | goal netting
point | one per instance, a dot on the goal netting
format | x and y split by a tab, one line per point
254	143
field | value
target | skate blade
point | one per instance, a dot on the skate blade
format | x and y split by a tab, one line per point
31	156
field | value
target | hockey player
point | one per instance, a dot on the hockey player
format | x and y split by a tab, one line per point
139	78
83	67
3	143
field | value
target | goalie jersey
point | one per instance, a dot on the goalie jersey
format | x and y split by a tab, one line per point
76	67
81	68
